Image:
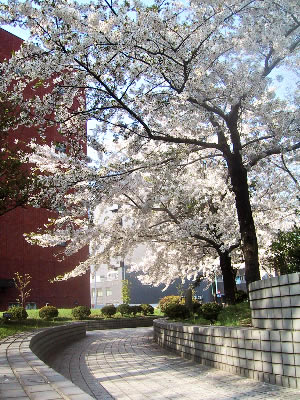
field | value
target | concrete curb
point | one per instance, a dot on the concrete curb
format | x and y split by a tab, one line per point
23	375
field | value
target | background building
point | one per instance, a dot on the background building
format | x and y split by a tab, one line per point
106	287
16	255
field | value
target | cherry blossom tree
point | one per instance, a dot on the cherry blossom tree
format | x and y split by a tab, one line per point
174	225
192	76
16	182
168	213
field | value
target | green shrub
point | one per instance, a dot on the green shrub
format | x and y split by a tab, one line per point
124	309
18	313
196	307
147	309
165	301
211	311
176	311
48	312
285	252
240	296
81	312
108	311
135	310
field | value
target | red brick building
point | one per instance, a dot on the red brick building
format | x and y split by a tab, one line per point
16	255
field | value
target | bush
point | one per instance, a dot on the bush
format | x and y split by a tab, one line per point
123	309
165	301
18	313
147	309
211	311
81	312
240	296
285	252
48	312
176	311
108	311
196	307
135	310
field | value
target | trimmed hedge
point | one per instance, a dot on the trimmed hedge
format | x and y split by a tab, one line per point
177	311
124	309
48	312
81	312
147	309
211	311
108	311
18	313
135	310
165	301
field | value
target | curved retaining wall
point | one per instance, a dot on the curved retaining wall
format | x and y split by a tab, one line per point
45	342
23	374
265	355
275	302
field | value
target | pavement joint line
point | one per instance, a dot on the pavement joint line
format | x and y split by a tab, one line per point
127	364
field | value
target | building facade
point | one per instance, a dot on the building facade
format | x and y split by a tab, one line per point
16	255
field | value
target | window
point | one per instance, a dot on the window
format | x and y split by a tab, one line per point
99	292
31	306
62	244
112	275
108	292
60	147
14	305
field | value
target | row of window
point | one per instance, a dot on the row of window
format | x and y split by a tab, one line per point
28	306
111	276
99	292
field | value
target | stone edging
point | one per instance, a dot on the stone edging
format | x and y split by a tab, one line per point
23	375
266	355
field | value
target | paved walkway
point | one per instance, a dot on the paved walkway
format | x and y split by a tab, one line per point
127	364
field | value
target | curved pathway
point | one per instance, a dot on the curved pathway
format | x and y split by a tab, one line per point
127	364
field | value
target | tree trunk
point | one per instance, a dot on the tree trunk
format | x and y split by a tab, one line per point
228	277
189	299
239	182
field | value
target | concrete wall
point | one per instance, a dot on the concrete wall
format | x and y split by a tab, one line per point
270	353
275	302
44	343
265	355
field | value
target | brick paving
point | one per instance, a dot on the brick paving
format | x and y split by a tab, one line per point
23	376
127	364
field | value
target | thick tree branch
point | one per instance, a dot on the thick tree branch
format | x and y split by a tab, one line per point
273	150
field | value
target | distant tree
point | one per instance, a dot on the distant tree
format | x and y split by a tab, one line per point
21	283
126	296
285	249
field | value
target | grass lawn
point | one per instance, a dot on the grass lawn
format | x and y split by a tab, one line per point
236	315
12	327
34	322
64	314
